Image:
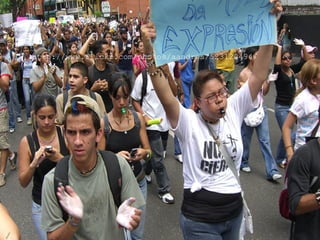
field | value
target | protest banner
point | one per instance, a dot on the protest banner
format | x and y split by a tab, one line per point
27	33
188	28
6	20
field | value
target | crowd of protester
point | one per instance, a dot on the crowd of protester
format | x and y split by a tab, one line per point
108	62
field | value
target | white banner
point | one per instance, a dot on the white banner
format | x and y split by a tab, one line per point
27	33
6	20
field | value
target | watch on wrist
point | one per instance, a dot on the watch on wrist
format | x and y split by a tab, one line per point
73	222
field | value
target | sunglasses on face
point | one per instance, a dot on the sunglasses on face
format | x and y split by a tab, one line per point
286	58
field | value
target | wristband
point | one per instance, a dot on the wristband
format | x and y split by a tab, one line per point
73	223
318	196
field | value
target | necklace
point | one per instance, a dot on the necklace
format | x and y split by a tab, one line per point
214	134
46	141
90	170
118	123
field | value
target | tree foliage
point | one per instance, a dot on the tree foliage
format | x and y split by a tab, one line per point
12	6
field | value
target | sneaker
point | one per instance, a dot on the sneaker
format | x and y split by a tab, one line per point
246	169
164	154
148	178
19	119
13	161
166	198
2	179
276	176
11	130
178	157
29	121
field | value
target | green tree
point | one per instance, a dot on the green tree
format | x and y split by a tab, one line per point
12	6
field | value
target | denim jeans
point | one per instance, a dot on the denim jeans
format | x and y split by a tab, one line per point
281	112
156	162
137	234
14	104
186	86
26	86
177	149
264	141
36	218
227	230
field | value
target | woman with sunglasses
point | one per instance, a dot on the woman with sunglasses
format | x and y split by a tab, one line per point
212	206
285	83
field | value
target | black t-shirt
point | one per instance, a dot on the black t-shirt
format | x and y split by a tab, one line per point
95	74
285	87
302	169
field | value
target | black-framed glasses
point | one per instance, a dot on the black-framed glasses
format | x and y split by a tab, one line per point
213	97
286	58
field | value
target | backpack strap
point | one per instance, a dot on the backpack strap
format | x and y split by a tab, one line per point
61	178
112	165
92	95
144	85
33	142
64	98
113	170
136	119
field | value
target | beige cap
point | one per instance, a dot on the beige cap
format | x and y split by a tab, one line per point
84	100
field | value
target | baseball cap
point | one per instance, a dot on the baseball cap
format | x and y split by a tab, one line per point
123	29
79	102
309	49
40	50
3	41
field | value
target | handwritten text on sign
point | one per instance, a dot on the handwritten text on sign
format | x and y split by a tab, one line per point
188	28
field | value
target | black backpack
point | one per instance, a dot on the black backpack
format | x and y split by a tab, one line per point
144	85
114	176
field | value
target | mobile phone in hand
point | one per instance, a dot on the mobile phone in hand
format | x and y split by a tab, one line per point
133	152
48	149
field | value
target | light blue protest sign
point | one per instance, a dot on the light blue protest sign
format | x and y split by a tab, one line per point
187	28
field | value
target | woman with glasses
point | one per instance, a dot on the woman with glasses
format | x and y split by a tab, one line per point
285	83
212	204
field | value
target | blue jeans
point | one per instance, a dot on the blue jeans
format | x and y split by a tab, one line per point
264	141
14	104
281	112
137	234
156	162
227	230
36	218
26	86
186	86
177	149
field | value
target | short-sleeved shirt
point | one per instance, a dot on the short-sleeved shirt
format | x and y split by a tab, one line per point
49	87
99	216
305	107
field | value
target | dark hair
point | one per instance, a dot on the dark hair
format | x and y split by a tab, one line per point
80	66
201	78
97	46
77	109
286	52
44	100
119	80
250	51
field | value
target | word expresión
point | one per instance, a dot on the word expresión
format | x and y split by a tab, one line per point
216	36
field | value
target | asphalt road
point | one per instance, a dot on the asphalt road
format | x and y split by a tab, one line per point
162	221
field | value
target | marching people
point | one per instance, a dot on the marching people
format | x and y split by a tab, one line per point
218	121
